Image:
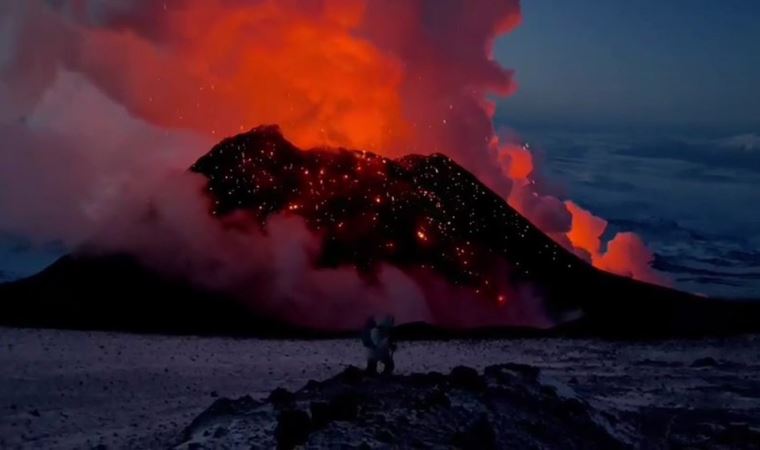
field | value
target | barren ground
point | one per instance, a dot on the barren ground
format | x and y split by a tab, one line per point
70	389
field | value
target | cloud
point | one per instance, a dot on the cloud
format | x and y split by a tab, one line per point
749	142
734	152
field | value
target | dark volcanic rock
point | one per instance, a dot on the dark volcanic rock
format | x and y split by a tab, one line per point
281	397
320	414
219	432
293	427
705	362
511	369
219	410
464	410
689	428
352	375
344	406
739	436
436	398
479	435
466	377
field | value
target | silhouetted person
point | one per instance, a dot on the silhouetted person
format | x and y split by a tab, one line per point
378	339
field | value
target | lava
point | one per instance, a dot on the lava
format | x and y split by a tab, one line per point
417	213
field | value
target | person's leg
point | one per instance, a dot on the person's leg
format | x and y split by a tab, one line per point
388	364
372	366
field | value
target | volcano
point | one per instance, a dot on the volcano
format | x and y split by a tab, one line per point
424	215
418	213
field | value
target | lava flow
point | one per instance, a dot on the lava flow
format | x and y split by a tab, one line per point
422	214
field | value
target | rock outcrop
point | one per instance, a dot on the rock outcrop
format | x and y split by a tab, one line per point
505	407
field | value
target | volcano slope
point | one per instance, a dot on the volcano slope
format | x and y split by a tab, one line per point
425	215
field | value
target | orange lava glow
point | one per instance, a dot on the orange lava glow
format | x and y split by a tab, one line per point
626	254
516	162
228	66
587	229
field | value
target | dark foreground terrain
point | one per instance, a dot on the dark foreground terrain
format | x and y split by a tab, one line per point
505	406
71	389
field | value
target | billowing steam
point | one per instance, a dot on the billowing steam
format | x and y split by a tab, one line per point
101	99
273	270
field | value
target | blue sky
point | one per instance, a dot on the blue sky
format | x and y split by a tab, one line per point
643	63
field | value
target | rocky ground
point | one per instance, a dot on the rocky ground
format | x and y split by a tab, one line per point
70	389
506	406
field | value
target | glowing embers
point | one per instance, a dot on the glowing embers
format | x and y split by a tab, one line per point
416	213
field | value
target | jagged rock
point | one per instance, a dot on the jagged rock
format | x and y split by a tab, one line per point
466	377
320	414
436	398
427	379
479	435
705	362
311	384
739	436
573	407
352	375
505	407
221	408
281	397
385	436
293	427
513	369
344	406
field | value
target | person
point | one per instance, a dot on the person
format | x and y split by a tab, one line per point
377	338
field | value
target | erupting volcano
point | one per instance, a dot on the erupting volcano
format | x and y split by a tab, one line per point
417	236
418	213
435	217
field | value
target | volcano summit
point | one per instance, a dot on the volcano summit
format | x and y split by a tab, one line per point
417	213
417	236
